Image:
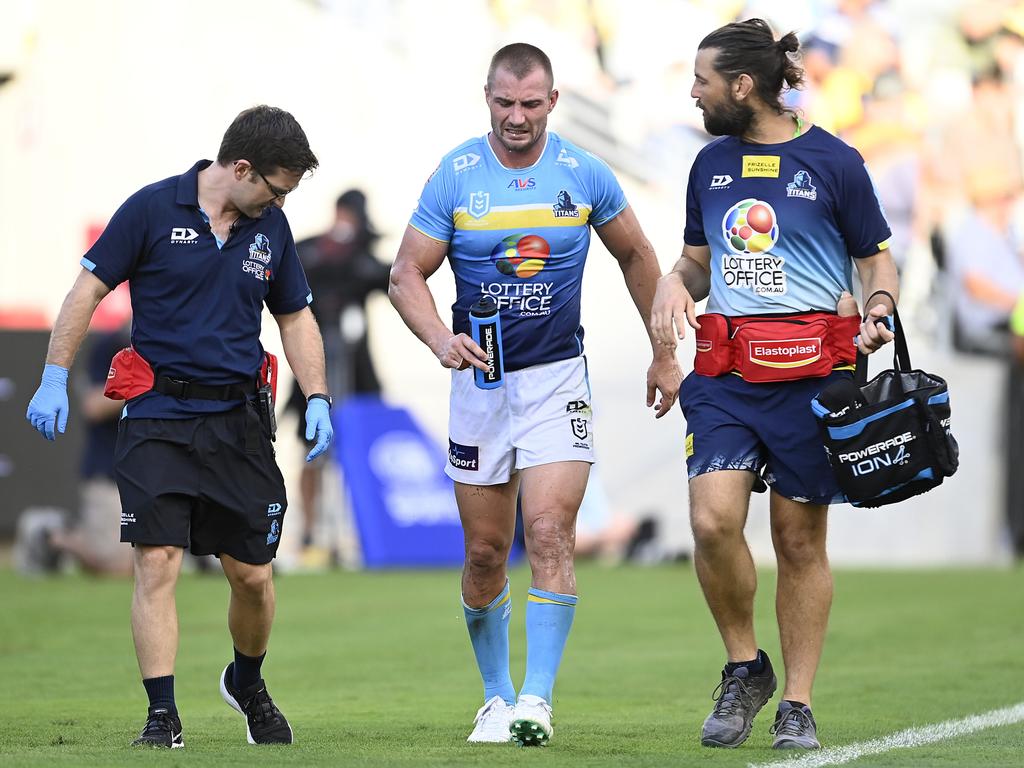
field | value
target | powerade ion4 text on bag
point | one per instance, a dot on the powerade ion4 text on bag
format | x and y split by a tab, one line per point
889	438
485	322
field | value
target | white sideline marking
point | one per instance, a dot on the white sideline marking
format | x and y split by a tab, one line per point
912	737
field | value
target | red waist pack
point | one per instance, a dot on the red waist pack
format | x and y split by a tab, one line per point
129	376
775	347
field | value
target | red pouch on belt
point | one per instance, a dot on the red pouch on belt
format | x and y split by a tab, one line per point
268	373
129	376
769	349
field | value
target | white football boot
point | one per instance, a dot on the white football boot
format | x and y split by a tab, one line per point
492	722
531	722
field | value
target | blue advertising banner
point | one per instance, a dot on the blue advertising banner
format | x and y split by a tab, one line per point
402	501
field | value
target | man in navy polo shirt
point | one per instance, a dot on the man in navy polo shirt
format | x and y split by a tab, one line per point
203	252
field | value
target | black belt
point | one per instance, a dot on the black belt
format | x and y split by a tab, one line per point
165	385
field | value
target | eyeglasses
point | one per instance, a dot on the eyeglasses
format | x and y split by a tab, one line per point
276	191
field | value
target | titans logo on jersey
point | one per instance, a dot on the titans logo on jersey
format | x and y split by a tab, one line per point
783	222
522	236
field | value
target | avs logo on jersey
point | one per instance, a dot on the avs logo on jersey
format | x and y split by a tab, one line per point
520	184
565	208
801	186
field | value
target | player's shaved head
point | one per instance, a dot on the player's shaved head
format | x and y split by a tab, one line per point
520	59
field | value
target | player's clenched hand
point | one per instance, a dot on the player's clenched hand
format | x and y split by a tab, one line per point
663	376
874	331
460	351
672	303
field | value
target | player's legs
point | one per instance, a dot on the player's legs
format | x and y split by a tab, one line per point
488	515
725	568
804	592
252	604
551	496
154	614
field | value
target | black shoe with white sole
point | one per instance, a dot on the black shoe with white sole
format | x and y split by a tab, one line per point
162	729
264	722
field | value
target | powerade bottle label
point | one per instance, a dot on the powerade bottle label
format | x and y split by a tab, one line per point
485	323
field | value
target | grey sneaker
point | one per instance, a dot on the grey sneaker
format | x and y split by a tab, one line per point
794	728
738	698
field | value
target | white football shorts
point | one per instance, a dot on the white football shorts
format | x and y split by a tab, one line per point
540	415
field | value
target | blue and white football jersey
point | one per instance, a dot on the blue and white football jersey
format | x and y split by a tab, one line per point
522	236
783	222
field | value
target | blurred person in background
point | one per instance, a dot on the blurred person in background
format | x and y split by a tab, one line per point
202	252
342	272
1015	432
512	211
93	539
804	211
986	262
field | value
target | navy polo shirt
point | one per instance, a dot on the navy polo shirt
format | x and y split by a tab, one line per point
197	308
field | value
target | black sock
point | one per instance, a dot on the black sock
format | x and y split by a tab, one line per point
247	670
795	704
161	693
755	666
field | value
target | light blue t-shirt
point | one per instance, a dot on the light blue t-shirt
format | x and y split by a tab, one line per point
522	236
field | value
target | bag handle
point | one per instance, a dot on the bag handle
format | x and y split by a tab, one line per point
900	355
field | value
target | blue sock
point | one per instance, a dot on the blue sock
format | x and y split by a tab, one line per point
488	631
246	671
161	693
548	621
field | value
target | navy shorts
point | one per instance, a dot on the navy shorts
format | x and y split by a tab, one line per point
209	483
767	429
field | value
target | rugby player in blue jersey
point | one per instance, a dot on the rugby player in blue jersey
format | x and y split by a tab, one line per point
203	253
512	212
778	213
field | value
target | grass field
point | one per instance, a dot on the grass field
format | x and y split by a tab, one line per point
376	669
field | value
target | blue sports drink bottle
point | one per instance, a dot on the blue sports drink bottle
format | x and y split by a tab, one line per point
485	322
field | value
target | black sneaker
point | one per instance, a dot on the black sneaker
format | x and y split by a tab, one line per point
162	729
795	728
738	698
264	722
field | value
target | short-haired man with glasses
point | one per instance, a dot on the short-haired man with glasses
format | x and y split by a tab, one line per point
203	252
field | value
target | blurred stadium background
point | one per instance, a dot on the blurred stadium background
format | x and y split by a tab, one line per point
102	97
99	98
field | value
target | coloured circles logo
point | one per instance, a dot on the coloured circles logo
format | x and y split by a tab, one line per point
750	226
521	255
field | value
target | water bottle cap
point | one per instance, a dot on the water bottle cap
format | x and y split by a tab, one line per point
484	307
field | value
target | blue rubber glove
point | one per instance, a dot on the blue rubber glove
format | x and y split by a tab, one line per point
49	405
318	424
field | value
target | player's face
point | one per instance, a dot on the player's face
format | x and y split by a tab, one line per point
520	108
260	190
723	114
